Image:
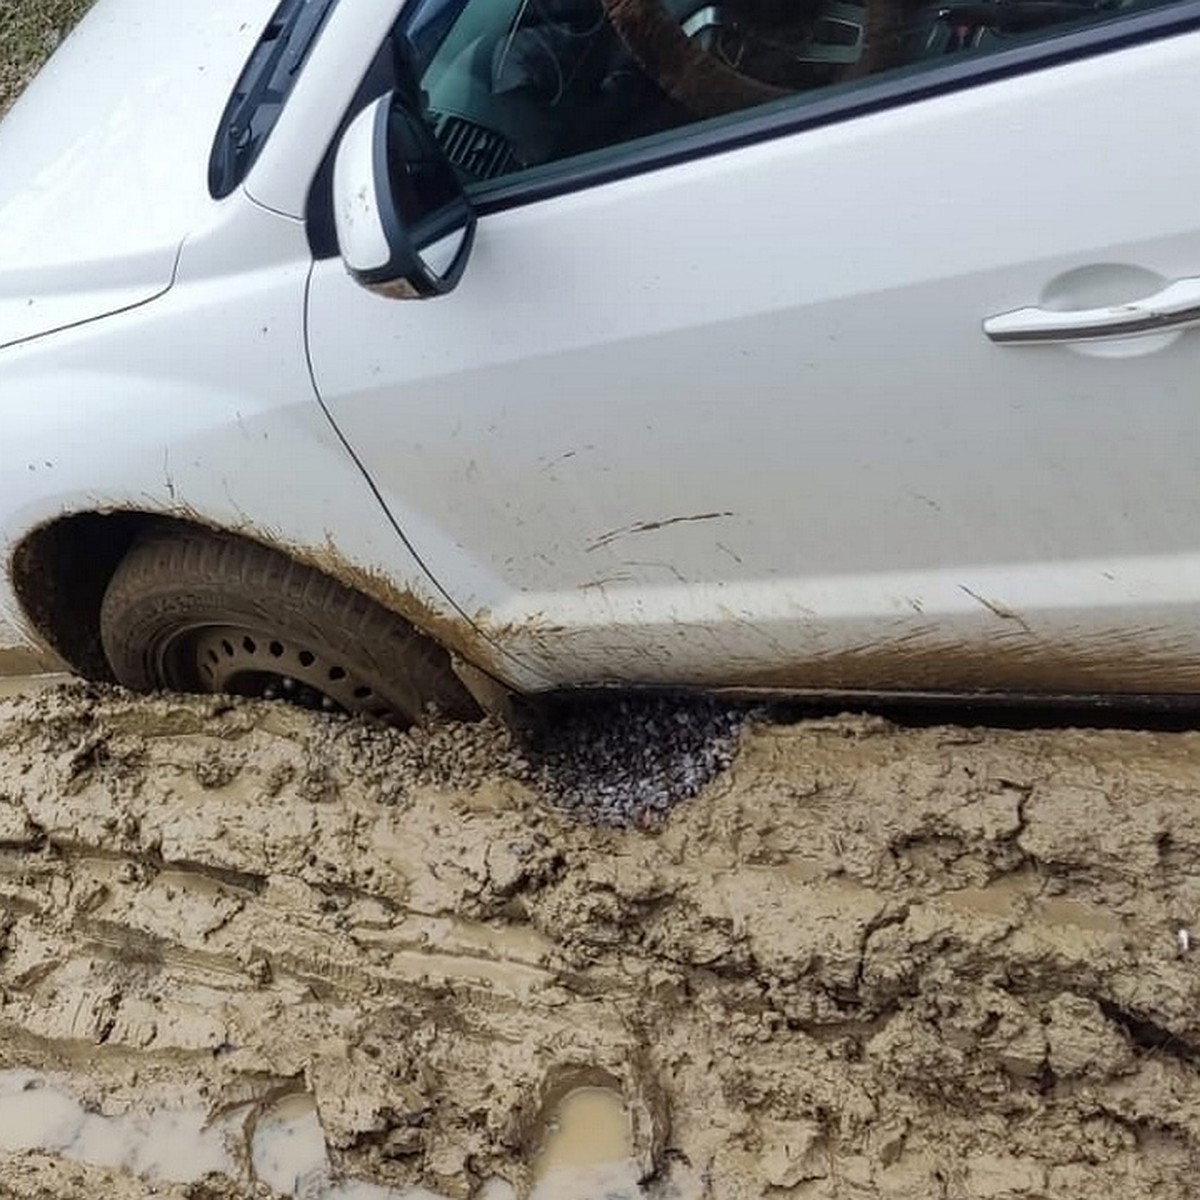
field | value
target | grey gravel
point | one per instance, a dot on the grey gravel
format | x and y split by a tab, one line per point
630	760
609	761
447	754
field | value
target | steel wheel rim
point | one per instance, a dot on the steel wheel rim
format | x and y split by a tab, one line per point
240	660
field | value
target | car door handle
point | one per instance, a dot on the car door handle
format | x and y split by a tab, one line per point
1177	305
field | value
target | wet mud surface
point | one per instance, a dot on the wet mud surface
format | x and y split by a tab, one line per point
863	962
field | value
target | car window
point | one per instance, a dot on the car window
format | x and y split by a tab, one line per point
512	86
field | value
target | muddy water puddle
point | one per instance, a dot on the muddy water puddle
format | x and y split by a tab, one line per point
177	1145
587	1151
285	1147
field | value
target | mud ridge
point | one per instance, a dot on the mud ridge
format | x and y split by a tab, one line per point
862	962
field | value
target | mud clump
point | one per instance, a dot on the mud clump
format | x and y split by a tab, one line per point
44	1177
862	962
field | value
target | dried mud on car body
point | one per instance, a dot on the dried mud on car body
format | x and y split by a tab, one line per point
865	962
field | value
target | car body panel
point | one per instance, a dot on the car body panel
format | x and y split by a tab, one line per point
718	424
105	158
200	406
736	421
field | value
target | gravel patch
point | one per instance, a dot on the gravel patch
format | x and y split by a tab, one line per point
629	761
618	762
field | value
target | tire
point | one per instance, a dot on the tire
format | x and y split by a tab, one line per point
199	611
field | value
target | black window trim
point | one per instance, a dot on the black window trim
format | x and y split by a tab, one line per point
751	127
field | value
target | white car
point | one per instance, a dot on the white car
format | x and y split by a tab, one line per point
395	355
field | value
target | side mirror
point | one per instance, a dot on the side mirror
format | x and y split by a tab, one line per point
404	226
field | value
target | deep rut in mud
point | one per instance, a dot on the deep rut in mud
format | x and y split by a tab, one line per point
864	962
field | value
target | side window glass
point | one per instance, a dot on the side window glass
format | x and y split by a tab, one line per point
514	85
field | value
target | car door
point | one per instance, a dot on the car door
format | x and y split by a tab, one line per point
717	405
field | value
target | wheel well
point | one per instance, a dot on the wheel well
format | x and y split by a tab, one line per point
60	572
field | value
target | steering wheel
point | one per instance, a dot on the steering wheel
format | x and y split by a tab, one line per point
687	72
697	78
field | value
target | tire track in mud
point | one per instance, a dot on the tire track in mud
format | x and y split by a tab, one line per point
866	962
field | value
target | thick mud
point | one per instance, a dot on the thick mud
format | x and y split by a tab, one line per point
864	962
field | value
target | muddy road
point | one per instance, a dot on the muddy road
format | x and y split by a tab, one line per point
255	952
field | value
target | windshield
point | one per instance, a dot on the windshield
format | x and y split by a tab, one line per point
262	90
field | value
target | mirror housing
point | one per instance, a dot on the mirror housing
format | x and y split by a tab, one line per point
404	225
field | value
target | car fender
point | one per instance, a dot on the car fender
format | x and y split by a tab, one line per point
200	406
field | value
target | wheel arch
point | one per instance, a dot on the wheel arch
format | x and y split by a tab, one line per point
61	570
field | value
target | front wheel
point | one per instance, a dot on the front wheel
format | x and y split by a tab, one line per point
200	611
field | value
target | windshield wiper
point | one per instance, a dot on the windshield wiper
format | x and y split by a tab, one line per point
262	89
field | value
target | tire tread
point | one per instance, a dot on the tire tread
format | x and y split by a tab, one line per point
172	576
